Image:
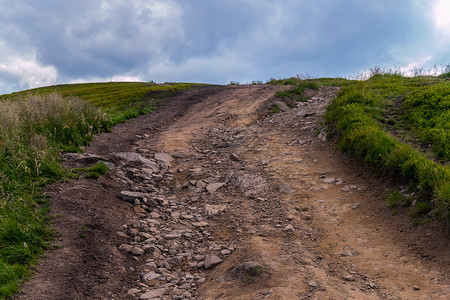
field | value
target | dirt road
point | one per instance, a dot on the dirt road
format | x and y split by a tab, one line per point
210	199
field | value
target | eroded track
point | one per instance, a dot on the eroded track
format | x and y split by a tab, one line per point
227	204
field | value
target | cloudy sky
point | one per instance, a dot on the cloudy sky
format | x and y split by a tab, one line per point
46	42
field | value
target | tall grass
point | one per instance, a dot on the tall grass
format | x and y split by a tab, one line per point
33	130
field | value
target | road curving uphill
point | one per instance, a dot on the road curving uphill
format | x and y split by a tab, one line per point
211	197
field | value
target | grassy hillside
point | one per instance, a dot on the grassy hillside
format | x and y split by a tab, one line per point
401	125
398	124
35	126
119	100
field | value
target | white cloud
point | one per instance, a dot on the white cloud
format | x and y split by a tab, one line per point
441	16
116	78
415	65
126	78
26	71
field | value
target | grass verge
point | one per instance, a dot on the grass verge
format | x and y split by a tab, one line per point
35	126
386	119
32	132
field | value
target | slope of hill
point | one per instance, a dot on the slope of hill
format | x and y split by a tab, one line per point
399	124
35	126
395	124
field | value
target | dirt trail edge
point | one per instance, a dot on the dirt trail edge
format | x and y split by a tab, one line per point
208	199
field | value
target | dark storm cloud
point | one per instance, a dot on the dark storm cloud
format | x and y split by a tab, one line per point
86	37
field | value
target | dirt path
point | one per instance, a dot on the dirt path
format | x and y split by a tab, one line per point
226	204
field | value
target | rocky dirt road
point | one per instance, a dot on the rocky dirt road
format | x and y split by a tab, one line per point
210	198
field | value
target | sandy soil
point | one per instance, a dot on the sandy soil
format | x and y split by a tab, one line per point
317	224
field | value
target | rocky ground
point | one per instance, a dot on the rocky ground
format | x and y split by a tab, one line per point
211	198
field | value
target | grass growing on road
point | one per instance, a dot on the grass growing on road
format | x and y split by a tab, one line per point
94	171
35	126
296	92
392	122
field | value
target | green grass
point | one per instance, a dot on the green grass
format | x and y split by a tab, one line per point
427	112
94	171
119	100
296	92
32	132
396	199
391	121
314	81
274	109
35	126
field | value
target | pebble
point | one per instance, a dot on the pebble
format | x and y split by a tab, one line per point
289	229
329	180
170	231
139	210
125	247
355	206
153	294
225	252
174	224
151	276
137	251
200	224
234	157
133	291
172	236
211	261
213	187
130	196
349	278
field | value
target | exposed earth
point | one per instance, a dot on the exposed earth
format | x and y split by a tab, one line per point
211	197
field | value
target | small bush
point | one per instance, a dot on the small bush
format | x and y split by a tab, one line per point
256	82
289	81
420	209
92	175
396	199
100	168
